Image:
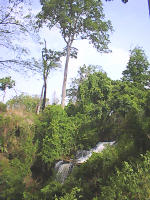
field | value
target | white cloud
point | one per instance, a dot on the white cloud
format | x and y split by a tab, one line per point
112	63
115	62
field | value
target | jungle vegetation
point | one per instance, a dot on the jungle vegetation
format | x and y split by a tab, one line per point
98	109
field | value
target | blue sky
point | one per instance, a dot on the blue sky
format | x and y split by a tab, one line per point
131	23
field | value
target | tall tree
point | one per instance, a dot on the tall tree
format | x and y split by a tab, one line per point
50	61
76	19
137	70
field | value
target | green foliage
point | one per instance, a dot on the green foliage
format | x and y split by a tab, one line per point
77	19
86	135
25	102
50	61
3	107
71	196
11	180
126	97
93	175
90	176
137	70
17	152
131	182
83	73
6	83
94	93
99	110
56	133
51	190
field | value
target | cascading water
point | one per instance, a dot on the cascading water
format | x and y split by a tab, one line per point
83	155
63	169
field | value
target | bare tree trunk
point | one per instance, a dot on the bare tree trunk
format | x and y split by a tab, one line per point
44	97
149	6
4	95
44	88
39	104
65	75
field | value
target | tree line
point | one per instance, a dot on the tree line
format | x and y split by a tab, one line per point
98	109
75	20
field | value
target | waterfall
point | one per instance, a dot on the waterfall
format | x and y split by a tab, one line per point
83	155
63	169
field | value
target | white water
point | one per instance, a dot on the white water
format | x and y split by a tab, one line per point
63	172
63	169
85	155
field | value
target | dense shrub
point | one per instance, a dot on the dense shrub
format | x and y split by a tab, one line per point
131	182
55	134
17	153
3	107
26	102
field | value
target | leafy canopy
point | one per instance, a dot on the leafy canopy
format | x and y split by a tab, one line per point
137	70
83	73
6	82
77	19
